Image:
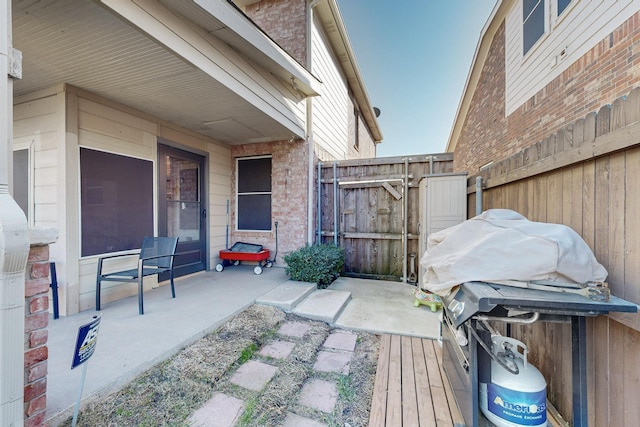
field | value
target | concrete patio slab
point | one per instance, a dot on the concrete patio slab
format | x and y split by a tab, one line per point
293	329
287	295
385	306
254	375
319	394
324	305
329	361
278	349
221	410
294	420
341	341
128	343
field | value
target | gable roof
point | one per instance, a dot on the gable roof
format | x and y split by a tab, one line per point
487	34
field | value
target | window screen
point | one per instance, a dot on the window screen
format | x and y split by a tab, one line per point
254	193
532	22
116	202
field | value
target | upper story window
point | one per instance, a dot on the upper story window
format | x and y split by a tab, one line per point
533	19
562	5
532	22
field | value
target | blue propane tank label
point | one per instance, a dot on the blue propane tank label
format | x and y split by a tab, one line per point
520	408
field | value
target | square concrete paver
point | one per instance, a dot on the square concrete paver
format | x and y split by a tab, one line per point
294	420
293	329
341	341
328	361
319	394
278	349
254	375
220	411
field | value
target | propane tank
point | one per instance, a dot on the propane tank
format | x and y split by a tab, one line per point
517	393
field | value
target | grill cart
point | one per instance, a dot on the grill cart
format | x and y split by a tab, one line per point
245	252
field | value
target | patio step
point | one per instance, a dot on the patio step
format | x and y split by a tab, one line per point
287	295
324	305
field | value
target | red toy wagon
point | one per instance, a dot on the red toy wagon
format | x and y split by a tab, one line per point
245	252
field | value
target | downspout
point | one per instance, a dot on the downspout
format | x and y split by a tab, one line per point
478	195
311	147
14	243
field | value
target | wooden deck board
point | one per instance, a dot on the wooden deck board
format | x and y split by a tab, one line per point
379	401
410	387
409	395
425	406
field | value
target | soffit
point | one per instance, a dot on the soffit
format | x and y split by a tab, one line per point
86	45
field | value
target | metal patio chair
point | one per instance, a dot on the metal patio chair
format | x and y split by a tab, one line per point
156	256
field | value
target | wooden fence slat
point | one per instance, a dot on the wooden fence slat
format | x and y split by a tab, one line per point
632	110
631	376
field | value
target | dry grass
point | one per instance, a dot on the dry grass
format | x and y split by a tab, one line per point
170	392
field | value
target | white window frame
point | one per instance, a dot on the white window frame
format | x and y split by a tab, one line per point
29	146
551	21
544	5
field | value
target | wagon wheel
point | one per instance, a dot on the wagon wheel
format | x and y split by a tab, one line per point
269	264
236	262
257	270
219	267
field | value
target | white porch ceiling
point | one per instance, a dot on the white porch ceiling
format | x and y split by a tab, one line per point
82	43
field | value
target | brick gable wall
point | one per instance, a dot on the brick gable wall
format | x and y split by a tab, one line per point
285	22
483	134
608	71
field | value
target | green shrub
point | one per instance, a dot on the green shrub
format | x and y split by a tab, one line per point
319	264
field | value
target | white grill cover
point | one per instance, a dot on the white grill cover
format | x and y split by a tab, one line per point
501	244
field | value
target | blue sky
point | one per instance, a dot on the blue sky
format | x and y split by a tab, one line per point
414	57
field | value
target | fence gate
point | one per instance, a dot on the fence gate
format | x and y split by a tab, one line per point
370	208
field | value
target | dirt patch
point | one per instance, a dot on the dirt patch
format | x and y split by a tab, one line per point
169	393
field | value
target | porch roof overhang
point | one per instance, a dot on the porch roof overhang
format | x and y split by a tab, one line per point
199	64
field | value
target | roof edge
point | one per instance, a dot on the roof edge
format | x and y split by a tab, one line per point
329	12
489	30
235	20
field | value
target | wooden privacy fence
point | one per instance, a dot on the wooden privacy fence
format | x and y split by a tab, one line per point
586	176
370	208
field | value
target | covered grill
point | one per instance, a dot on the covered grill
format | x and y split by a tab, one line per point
465	336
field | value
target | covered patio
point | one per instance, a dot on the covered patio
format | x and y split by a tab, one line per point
129	344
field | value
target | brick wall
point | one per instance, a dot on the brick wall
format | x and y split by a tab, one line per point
288	198
36	351
608	71
285	21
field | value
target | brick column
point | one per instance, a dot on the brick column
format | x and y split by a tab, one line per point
36	314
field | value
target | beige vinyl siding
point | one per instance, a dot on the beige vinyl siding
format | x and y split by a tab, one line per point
116	129
38	127
105	128
582	25
331	108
